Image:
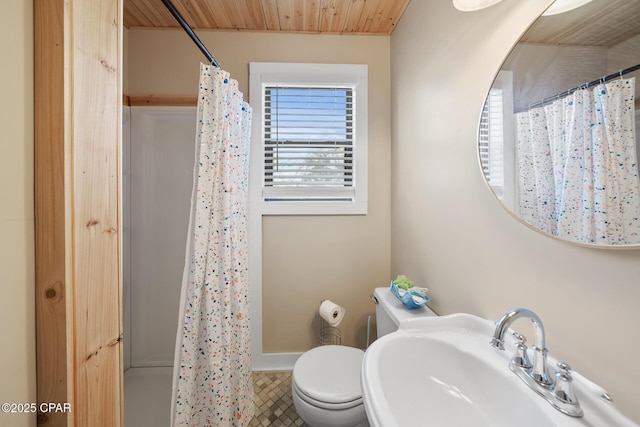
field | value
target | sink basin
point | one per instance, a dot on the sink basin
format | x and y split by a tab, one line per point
441	371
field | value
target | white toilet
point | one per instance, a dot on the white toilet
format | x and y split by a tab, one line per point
326	380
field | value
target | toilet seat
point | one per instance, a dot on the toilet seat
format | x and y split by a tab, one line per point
329	377
326	405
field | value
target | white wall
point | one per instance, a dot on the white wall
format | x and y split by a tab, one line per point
17	281
160	159
451	235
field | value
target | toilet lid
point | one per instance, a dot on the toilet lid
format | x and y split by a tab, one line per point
330	374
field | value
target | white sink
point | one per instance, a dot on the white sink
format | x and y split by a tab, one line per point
442	371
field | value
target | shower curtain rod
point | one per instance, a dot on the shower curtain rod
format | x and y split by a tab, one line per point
190	32
583	86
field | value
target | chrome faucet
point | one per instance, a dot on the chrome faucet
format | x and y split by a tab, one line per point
535	375
539	370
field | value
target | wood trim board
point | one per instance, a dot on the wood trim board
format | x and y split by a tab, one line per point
77	144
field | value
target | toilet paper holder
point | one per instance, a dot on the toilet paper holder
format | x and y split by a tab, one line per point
329	335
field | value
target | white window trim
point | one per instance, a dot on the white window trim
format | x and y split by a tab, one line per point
265	73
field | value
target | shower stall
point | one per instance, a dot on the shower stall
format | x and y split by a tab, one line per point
158	155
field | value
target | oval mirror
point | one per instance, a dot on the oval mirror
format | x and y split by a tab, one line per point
558	132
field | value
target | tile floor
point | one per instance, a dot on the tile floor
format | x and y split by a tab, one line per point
272	398
147	389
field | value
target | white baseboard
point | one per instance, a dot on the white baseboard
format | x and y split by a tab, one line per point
274	361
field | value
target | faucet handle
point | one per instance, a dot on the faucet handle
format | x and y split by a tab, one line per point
520	357
563	389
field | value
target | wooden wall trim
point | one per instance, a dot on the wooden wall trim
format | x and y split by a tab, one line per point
51	337
94	203
165	101
78	225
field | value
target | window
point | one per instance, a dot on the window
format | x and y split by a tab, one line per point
308	143
492	141
310	134
496	139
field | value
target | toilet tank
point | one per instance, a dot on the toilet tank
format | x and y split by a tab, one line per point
390	311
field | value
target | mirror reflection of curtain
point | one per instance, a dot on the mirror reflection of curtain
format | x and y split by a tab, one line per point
578	172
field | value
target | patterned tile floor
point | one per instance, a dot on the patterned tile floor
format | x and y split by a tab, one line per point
148	393
272	398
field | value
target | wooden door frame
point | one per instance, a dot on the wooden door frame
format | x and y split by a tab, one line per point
78	97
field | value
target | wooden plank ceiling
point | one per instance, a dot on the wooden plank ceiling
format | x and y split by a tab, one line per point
302	16
598	23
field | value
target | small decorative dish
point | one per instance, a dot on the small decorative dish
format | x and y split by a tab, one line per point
411	298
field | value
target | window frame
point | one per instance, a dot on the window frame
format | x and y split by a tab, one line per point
263	74
507	191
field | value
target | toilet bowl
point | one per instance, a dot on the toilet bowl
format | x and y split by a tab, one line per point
326	387
326	380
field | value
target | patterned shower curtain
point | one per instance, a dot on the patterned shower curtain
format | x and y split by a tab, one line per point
212	369
578	168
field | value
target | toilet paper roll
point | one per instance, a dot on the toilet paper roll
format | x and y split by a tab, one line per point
331	312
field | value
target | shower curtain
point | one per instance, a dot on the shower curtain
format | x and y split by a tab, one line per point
578	166
212	368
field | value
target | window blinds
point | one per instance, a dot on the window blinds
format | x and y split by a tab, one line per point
308	143
491	140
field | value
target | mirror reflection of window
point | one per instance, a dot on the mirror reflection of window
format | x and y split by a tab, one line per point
496	139
637	133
